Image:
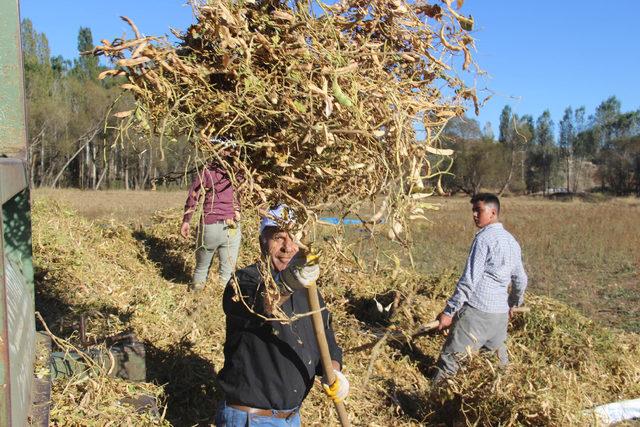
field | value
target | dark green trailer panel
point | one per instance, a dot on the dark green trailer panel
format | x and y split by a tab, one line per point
17	328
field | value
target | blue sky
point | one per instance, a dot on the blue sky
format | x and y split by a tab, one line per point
551	54
60	20
538	54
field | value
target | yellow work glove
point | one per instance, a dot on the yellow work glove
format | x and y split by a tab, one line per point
339	390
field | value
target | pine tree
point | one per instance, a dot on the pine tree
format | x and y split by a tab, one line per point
86	65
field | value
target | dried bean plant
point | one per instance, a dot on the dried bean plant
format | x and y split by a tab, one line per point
323	101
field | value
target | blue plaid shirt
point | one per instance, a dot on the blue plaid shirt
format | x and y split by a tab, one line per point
495	261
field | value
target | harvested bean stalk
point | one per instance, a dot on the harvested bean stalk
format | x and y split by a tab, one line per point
324	101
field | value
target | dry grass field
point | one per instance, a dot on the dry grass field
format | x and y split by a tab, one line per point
129	207
105	256
586	254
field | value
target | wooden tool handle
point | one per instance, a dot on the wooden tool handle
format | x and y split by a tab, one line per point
434	324
325	356
431	325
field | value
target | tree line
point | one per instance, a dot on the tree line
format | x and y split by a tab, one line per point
596	152
74	139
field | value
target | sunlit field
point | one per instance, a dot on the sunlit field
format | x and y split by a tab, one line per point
105	256
584	254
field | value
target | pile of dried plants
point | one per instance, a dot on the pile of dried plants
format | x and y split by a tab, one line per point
323	101
134	280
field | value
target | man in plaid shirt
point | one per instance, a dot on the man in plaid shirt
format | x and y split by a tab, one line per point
481	305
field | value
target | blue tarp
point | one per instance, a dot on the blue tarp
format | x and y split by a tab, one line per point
345	221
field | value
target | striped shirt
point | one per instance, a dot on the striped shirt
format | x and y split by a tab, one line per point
494	263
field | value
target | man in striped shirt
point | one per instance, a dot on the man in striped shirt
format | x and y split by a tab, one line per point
492	284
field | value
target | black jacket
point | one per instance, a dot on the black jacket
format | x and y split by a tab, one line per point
268	364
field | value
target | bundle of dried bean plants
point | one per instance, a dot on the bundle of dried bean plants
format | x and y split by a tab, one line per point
323	101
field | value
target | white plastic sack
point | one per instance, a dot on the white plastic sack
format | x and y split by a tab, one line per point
618	411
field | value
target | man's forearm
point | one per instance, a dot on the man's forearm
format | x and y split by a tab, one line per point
192	202
188	213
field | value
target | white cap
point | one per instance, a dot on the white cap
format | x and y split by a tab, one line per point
277	217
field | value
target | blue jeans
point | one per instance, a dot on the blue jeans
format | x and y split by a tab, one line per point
226	416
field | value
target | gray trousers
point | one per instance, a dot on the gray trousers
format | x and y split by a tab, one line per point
473	330
218	238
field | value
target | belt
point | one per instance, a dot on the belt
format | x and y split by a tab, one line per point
263	412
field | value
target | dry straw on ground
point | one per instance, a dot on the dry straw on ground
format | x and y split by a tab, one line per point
135	279
322	100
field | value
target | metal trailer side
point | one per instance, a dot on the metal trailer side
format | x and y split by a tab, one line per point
17	325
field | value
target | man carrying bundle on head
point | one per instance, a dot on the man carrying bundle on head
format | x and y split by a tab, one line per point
482	302
270	365
219	229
